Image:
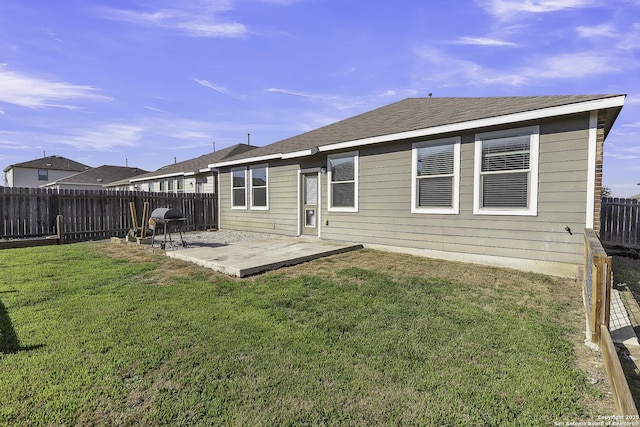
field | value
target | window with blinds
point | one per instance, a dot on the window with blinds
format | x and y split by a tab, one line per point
507	172
259	185
239	188
436	166
343	182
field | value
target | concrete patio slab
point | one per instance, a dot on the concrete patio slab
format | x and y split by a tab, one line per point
256	256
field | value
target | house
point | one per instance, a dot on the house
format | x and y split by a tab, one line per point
38	172
189	176
506	181
94	179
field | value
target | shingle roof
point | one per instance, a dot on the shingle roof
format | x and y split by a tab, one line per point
202	162
414	114
52	163
101	175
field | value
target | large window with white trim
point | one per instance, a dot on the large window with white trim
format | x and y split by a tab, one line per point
239	188
342	170
436	176
506	172
259	187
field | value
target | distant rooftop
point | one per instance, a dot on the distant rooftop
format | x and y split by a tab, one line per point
51	163
100	176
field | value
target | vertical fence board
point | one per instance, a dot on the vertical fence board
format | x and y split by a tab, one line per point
620	222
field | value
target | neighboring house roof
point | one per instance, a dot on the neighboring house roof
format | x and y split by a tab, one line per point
98	176
419	117
51	162
193	166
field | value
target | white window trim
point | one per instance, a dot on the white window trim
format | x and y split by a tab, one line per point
266	167
244	170
534	154
455	209
354	208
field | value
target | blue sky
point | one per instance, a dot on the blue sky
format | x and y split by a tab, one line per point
144	81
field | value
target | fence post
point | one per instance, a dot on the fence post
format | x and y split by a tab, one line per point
59	229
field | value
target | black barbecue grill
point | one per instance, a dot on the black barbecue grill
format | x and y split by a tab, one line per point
162	219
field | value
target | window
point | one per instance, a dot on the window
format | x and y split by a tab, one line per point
180	185
506	172
259	185
162	186
170	185
343	182
43	175
436	176
239	188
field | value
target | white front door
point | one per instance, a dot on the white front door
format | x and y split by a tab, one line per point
310	204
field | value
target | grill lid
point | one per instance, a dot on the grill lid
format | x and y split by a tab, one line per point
166	213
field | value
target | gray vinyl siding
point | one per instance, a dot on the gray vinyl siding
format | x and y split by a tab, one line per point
385	216
282	216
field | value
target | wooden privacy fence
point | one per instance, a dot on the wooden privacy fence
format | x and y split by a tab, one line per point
597	284
598	277
620	222
93	214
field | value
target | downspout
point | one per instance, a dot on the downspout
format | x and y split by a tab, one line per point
591	169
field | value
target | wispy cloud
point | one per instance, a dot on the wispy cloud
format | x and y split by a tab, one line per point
154	109
193	19
508	8
33	92
105	137
213	86
483	41
604	30
571	65
295	93
448	68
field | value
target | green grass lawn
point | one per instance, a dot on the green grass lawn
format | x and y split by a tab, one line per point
364	338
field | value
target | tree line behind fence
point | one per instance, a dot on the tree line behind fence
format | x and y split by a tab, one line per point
93	214
620	222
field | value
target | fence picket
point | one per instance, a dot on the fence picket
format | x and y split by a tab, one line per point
93	214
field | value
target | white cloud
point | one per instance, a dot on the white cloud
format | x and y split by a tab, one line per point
193	19
483	41
32	92
213	86
508	8
104	137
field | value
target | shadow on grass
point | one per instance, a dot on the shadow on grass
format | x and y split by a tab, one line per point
9	342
